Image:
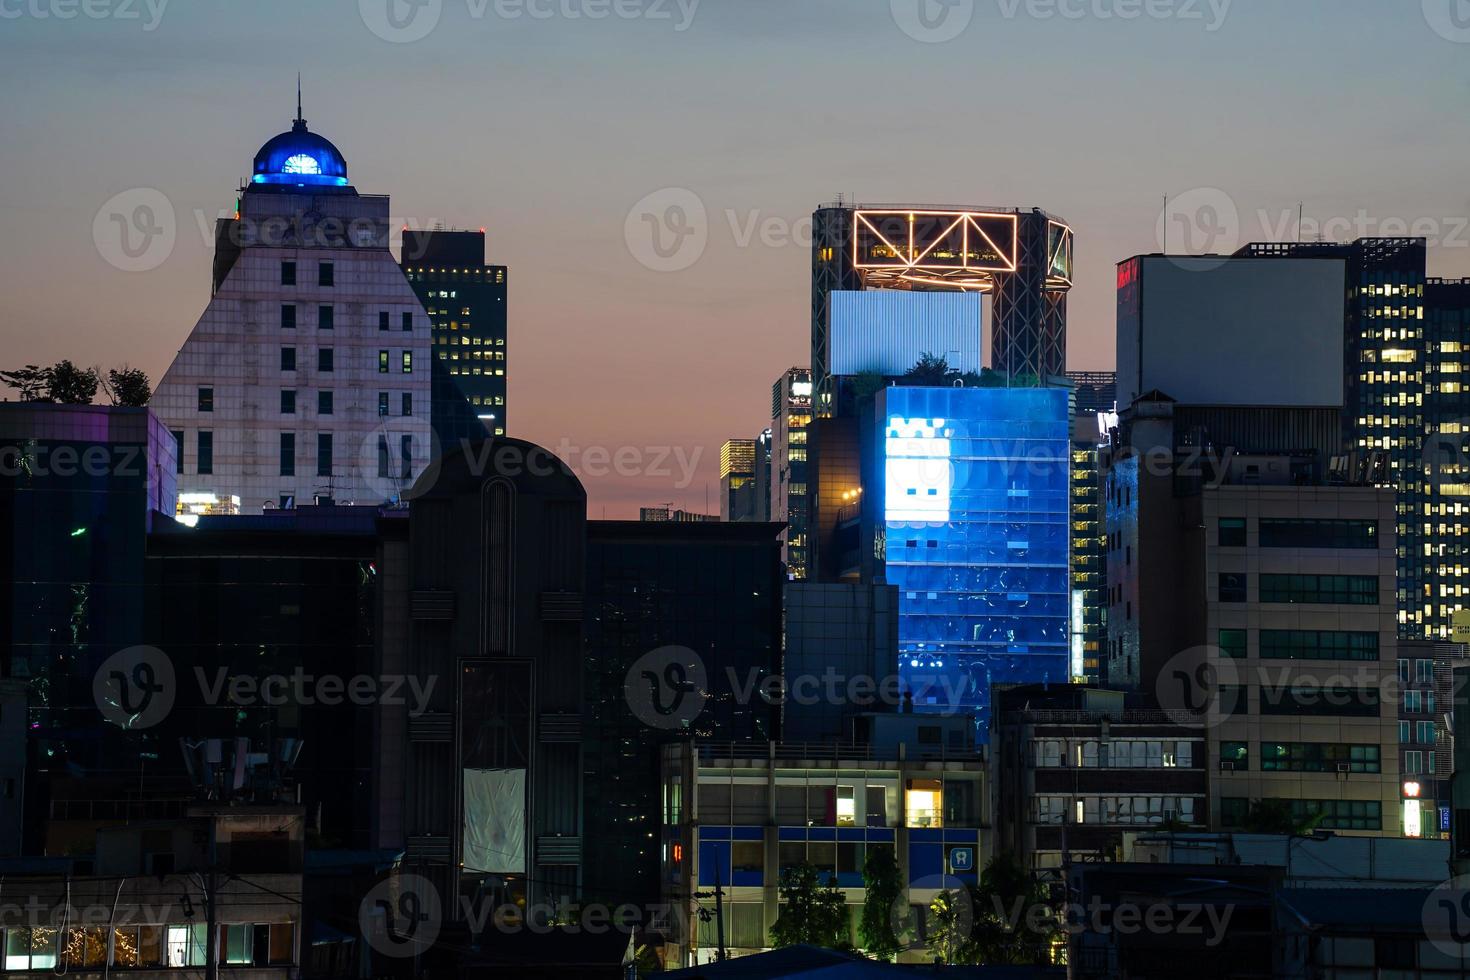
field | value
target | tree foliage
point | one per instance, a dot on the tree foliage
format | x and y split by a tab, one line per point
71	385
1014	924
128	387
950	936
811	912
67	384
32	381
883	884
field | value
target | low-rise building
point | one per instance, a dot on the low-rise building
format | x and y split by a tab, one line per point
737	815
220	886
1076	768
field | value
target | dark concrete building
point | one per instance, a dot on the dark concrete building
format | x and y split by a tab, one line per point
80	486
484	604
700	597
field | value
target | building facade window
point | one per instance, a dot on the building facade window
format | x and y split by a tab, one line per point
1233	643
324	454
1338	590
1235	756
1317	645
407	322
325	360
1304	533
408	362
288	273
1232	532
288	402
326	274
1343	702
288	316
206	399
326	317
382	404
288	454
1233	587
1319	757
206	452
288	358
382	362
178	450
325	403
407	403
383	320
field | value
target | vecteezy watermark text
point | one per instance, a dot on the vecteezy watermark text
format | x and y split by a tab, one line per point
406	21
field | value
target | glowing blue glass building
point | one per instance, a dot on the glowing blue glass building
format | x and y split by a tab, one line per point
968	514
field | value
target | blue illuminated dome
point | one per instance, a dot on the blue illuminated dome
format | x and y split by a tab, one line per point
300	158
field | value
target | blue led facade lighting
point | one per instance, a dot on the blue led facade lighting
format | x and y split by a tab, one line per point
974	532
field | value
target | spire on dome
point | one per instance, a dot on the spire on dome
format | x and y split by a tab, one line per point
300	124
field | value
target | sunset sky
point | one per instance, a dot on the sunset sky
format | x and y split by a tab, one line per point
548	130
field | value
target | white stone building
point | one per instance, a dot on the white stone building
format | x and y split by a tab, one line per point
308	375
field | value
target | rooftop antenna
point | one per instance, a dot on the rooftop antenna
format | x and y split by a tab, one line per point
300	122
1300	210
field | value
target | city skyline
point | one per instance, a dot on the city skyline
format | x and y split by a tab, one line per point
721	115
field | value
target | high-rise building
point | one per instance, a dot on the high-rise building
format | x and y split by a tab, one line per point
1019	260
466	302
1094	399
791	413
737	480
1088	602
762	482
1405	355
965	509
308	374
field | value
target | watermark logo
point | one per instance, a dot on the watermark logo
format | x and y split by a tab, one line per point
401	916
401	21
1446	916
932	21
1450	19
135	688
136	230
1444	453
401	458
668	230
150	12
1194	686
1202	221
667	688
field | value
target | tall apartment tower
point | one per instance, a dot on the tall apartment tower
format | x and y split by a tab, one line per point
466	302
1406	402
791	414
308	373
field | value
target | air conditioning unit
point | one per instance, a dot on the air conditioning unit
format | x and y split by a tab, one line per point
1343	768
1227	767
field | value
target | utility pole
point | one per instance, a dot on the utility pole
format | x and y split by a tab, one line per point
719	916
211	912
719	897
